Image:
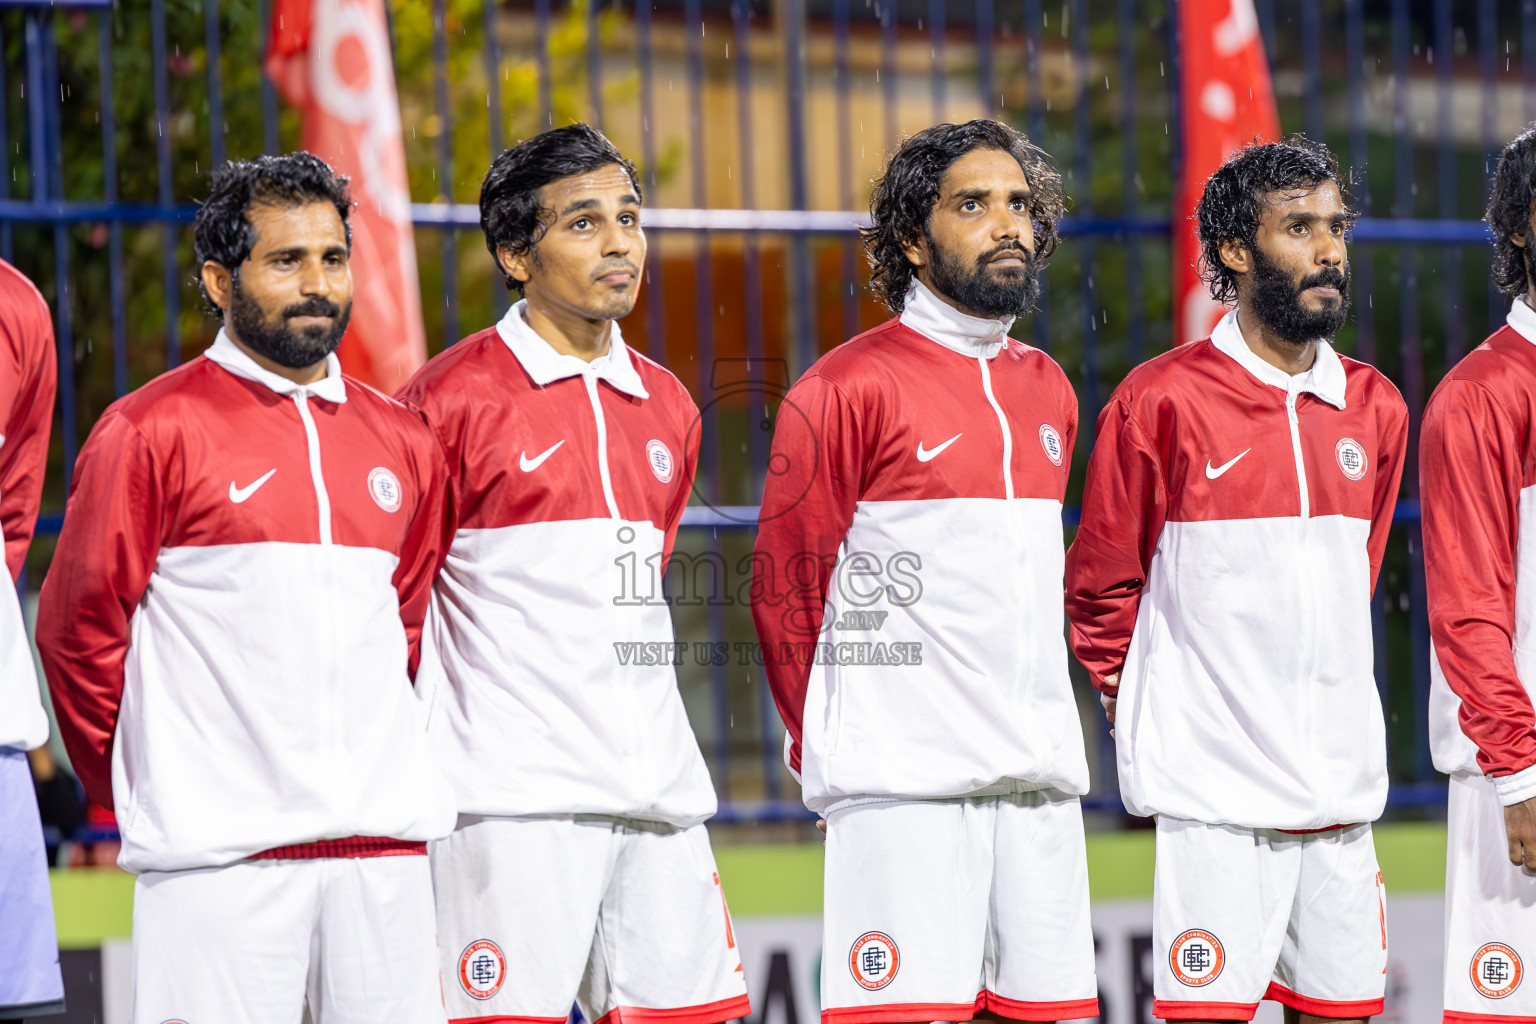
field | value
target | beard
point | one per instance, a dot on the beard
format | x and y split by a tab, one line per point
1276	301
281	343
983	289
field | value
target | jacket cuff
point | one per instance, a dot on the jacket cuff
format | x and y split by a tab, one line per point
1516	788
1110	689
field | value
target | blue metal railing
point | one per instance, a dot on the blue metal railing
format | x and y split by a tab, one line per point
1077	76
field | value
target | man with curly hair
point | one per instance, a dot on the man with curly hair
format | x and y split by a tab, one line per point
1478	487
1236	510
580	869
230	630
907	592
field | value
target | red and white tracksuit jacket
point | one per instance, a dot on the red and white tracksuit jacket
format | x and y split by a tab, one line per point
1478	488
28	373
550	641
908	566
229	625
1233	526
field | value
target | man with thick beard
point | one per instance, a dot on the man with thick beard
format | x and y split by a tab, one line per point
1237	506
1478	481
907	592
229	631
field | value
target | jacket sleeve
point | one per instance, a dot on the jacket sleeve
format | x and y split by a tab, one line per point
1390	456
1470	473
693	436
113	526
1125	503
426	545
28	380
807	508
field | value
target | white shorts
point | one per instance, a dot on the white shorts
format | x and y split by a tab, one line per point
942	909
626	919
1490	912
251	943
1242	914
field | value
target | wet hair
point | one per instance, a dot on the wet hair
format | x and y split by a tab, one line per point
510	215
1232	205
904	197
224	232
1509	212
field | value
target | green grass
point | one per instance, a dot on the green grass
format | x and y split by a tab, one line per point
91	904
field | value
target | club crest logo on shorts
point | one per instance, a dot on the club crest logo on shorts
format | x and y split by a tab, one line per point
1196	957
482	969
1051	442
874	960
384	488
659	457
1351	456
1496	970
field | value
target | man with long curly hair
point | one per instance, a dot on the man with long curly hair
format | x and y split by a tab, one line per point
1478	487
907	592
1219	588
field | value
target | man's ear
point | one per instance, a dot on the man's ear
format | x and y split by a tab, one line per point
916	251
1518	239
218	282
1235	256
515	264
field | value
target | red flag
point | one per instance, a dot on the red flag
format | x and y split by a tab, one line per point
1227	103
331	59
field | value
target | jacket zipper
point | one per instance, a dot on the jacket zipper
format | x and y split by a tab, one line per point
613	510
1002	421
1027	611
323	505
1301	467
322	499
1308	681
602	444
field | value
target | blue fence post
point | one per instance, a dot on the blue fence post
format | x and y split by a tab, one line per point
5	155
443	102
117	299
166	190
1034	23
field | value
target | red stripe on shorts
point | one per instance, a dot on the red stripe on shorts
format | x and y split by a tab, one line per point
1325	1007
1458	1017
707	1013
896	1013
1070	1009
1171	1009
352	846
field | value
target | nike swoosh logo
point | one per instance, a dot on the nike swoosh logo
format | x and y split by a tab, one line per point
928	454
239	494
529	465
1212	474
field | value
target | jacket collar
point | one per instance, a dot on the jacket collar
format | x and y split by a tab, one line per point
937	320
1325	379
331	387
1523	319
546	366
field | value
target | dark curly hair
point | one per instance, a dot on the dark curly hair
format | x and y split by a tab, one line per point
224	233
1509	212
510	214
904	196
1232	205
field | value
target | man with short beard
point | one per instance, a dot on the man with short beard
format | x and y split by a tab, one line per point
1237	506
580	870
229	631
907	592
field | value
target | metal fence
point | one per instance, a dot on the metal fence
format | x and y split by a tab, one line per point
757	125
